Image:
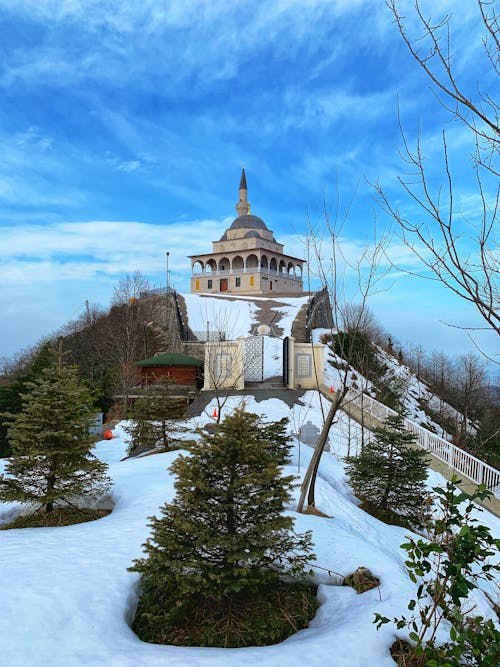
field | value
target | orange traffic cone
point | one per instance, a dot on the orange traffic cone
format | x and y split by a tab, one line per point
332	390
215	413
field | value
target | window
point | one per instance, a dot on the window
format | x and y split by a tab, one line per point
252	281
209	284
197	284
238	282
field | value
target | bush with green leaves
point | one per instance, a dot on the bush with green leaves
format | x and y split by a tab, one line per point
50	438
223	543
447	567
390	472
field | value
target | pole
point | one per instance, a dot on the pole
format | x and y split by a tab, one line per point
168	274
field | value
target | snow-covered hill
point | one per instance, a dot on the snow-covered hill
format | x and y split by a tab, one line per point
417	396
67	599
239	315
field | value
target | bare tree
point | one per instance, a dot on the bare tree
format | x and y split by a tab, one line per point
471	381
364	272
128	316
466	262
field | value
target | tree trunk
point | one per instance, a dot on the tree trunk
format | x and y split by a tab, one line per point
311	473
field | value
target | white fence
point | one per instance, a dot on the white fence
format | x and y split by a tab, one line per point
455	458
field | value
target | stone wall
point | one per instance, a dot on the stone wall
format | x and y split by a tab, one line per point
319	312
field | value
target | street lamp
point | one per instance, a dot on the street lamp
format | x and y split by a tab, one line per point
168	274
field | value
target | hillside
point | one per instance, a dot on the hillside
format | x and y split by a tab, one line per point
67	597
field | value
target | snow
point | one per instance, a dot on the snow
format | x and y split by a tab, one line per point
233	317
236	315
67	598
416	392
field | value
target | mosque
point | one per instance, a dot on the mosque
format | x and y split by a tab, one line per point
247	259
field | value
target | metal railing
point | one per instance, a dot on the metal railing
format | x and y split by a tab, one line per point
157	290
207	336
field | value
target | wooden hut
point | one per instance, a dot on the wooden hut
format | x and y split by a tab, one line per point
179	368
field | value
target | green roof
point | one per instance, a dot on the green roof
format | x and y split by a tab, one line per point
170	359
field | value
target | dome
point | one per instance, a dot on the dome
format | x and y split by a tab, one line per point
248	222
252	234
223	237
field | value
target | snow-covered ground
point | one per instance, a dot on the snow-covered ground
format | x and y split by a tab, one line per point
236	315
66	598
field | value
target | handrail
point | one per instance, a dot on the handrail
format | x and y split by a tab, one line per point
254	269
455	458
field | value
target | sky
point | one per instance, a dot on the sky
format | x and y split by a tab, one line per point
124	127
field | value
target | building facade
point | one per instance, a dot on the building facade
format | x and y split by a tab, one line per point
247	259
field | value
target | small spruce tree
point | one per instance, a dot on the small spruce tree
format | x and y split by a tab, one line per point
390	473
224	537
51	462
152	416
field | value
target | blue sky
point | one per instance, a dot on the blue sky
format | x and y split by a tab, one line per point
124	125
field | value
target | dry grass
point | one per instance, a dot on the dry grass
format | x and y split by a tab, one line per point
258	619
362	580
58	517
402	653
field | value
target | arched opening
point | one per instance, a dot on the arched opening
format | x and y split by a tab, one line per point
273	265
198	266
237	264
264	264
252	262
211	266
224	264
298	271
282	266
290	269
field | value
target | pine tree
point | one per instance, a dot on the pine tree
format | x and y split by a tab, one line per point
224	534
152	417
389	473
10	394
51	462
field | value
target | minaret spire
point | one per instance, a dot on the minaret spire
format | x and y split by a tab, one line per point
242	206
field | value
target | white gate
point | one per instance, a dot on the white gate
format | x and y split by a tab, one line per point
253	359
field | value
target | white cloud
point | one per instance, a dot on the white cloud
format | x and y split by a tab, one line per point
69	249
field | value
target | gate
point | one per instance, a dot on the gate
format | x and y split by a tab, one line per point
286	361
253	359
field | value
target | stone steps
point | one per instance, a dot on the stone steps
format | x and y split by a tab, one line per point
299	328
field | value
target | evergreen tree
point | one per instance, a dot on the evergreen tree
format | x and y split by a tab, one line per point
224	534
11	394
152	417
389	473
50	439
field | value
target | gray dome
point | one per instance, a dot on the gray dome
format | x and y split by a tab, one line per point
252	234
223	237
248	222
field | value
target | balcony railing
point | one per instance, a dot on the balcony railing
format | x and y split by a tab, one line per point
254	269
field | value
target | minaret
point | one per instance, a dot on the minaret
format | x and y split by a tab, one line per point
243	207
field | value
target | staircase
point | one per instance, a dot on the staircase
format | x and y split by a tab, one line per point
299	325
